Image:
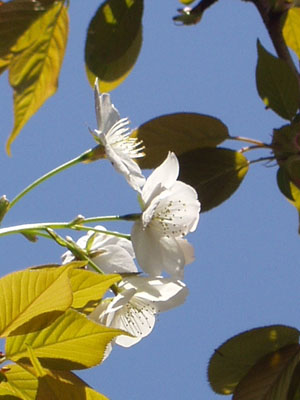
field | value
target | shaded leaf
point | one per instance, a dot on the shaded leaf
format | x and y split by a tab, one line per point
214	172
114	73
285	141
283	182
113	42
20	384
71	342
277	84
16	16
34	69
289	190
88	285
179	132
234	358
291	30
31	299
270	377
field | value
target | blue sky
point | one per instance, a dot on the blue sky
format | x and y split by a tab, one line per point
246	272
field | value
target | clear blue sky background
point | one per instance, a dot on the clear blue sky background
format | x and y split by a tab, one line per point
246	272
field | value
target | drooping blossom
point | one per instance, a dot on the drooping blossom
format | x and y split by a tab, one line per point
110	253
135	308
114	134
170	211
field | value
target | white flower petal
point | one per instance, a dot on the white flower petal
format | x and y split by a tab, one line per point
163	177
156	253
120	148
126	166
106	113
110	253
164	293
114	259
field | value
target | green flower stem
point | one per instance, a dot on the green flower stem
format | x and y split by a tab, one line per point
84	157
79	254
112	233
35	228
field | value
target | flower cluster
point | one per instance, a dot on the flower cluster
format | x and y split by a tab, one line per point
169	211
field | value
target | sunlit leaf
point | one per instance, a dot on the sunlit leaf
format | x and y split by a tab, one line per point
67	386
31	299
20	383
186	2
234	358
34	69
180	133
88	286
291	30
277	84
113	42
214	172
71	342
270	377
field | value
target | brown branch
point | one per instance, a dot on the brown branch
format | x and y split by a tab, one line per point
273	21
202	6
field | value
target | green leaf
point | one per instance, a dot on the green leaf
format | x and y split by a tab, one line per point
291	30
289	189
31	299
113	42
16	16
180	133
234	358
277	84
34	69
88	286
283	182
67	386
20	384
71	342
214	172
270	377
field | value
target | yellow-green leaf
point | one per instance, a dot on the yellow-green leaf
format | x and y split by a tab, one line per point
291	30
215	173
31	299
113	42
20	384
186	2
234	358
34	69
277	84
270	377
88	286
67	386
179	132
71	342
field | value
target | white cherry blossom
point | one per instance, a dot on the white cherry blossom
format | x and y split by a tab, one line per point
135	308
170	211
114	134
110	253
